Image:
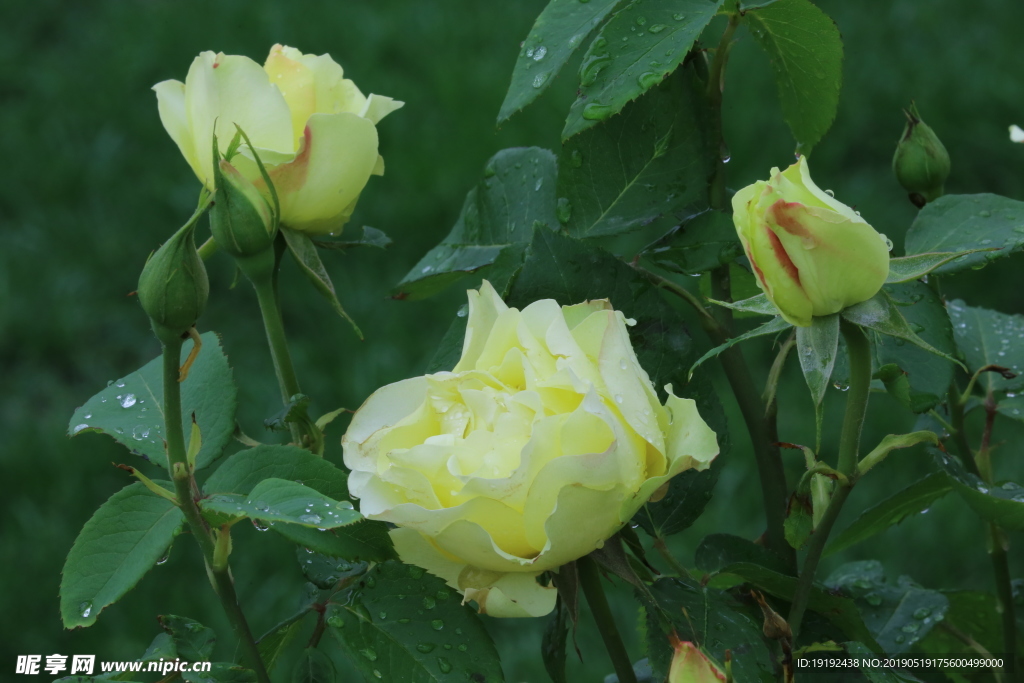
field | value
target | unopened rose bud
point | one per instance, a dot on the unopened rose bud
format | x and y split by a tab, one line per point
690	665
812	255
173	287
921	163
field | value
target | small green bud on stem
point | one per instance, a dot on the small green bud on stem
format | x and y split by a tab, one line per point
173	287
921	163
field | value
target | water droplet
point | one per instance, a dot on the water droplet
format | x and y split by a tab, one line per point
648	79
79	428
873	599
563	210
444	665
911	628
383	616
164	558
657	28
437	624
128	401
371	581
310	519
463	647
425	647
120	384
618	399
86	609
429	602
537	185
678	16
591	67
596	111
622	364
901	638
922	613
377	673
640	21
583	2
260	526
345	505
539	53
888	243
575	159
416	572
985	214
540	79
336	622
369	654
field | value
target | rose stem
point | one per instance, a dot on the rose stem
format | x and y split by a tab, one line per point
590	581
998	543
859	348
220	577
760	425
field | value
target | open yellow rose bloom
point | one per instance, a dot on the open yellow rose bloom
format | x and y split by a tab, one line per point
312	128
543	441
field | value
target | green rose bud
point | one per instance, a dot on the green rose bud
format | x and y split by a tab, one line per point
921	163
811	255
173	287
241	220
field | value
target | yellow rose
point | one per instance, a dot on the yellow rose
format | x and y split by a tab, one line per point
812	255
543	442
313	129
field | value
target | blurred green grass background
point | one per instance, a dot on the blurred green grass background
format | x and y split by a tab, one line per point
90	184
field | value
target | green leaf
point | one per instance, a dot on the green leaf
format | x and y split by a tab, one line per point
806	53
116	547
405	625
325	571
371	237
365	540
1002	504
638	47
499	214
314	667
1012	407
131	409
914	499
552	644
970	612
703	242
968	222
559	30
758	304
275	645
308	258
816	348
839	610
990	338
192	641
279	500
688	494
771	327
881	314
714	619
891	442
909	268
927	375
721	550
898	615
648	164
799	524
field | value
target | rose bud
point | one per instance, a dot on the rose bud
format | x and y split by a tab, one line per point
921	163
811	255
